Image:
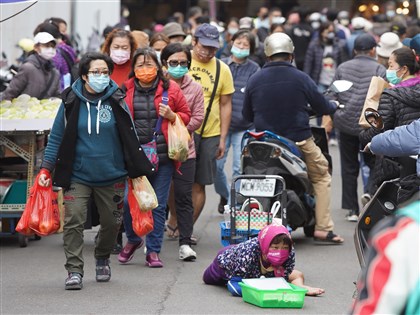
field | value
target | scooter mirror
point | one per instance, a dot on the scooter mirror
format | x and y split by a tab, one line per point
373	118
339	86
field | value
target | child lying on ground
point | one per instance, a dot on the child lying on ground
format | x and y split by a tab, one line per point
270	255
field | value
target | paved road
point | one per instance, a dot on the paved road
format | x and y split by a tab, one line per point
32	278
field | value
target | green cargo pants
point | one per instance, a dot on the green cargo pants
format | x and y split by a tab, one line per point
109	200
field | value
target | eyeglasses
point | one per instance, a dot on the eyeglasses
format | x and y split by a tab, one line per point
97	73
175	63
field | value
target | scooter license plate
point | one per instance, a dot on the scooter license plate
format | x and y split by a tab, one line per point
257	187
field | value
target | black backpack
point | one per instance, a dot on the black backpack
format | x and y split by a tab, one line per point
73	66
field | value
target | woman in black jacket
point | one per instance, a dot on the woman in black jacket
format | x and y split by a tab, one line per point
398	106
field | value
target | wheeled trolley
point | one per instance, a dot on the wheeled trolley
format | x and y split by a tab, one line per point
246	214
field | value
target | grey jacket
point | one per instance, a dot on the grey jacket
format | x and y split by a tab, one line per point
32	78
360	71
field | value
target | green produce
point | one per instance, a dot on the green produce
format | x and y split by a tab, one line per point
26	107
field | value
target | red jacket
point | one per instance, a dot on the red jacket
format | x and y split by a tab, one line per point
177	103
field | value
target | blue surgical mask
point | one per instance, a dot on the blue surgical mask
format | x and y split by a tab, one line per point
177	72
98	83
392	77
239	53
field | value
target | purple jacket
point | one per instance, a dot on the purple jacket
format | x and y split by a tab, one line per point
60	63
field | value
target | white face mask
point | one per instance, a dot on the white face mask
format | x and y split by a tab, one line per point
47	52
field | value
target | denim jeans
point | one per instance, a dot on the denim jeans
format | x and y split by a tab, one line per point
220	184
161	183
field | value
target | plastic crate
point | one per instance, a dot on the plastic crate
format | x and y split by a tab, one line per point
282	298
241	235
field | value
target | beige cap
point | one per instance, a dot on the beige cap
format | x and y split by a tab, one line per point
173	29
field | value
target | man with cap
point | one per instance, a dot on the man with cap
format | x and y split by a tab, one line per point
276	99
414	44
388	42
210	137
174	32
37	77
359	71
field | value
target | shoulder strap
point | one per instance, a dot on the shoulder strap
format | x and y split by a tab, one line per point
216	82
165	100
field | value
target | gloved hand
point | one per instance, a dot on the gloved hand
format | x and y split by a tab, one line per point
44	178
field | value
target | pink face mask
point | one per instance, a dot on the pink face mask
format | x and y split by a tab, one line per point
120	56
277	257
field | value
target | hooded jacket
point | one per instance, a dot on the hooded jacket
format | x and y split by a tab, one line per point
94	141
32	79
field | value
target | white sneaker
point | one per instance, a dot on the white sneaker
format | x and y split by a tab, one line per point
186	253
352	216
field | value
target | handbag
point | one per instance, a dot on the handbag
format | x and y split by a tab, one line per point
251	216
150	148
376	87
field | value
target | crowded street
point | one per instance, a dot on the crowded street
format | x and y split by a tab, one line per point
210	157
32	278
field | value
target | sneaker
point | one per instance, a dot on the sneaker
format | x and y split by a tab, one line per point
333	142
352	216
127	252
186	253
153	260
365	199
116	249
74	281
103	270
221	207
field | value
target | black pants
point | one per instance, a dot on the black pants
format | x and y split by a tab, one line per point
349	156
183	200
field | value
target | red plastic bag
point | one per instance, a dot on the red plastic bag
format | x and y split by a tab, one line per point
142	221
41	213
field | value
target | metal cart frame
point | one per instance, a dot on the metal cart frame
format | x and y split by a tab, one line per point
281	194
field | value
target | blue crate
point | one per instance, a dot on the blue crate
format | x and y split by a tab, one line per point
242	235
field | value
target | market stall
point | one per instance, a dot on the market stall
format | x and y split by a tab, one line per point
24	126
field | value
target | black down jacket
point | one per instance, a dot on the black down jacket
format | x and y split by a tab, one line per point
398	106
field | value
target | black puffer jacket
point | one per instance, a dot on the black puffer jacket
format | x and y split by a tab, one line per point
398	107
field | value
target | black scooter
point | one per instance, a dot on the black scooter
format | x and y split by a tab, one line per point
389	196
265	153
